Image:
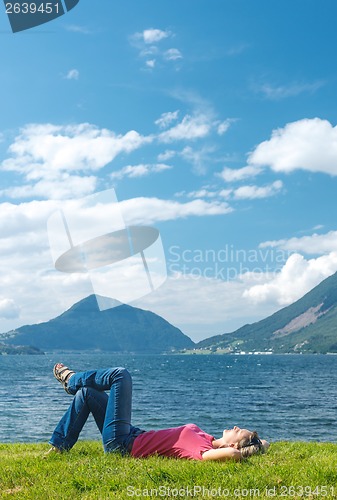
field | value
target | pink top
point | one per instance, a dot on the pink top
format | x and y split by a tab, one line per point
187	441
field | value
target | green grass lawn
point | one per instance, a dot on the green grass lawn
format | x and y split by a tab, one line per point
288	470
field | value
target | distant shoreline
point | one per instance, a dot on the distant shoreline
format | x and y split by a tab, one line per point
222	352
27	350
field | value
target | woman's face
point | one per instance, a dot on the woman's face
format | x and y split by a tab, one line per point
235	435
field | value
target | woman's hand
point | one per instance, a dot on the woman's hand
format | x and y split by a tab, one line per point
265	444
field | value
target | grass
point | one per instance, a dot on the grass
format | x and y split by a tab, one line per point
288	470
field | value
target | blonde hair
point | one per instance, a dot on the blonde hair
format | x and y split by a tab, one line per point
250	446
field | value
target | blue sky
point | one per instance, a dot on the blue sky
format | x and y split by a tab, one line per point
213	121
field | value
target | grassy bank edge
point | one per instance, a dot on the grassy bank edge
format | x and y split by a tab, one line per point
289	469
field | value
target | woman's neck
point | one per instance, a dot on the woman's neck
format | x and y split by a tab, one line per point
220	443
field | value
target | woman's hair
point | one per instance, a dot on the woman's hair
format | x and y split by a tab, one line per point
250	446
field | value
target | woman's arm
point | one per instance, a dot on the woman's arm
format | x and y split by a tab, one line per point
229	453
222	454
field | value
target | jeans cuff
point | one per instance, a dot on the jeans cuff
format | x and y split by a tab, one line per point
60	446
70	387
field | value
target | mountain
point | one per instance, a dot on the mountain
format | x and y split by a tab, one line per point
309	325
120	329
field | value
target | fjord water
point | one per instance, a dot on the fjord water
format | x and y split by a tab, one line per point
284	397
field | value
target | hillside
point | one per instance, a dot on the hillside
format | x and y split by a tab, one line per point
85	327
18	349
309	325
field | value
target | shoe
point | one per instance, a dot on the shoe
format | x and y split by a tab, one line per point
52	451
63	374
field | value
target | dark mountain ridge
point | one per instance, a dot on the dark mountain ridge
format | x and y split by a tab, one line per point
121	329
308	325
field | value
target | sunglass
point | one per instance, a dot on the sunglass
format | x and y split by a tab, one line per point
255	441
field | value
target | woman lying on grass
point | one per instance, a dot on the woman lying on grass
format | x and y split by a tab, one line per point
112	415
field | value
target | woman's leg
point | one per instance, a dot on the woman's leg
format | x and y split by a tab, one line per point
101	380
69	427
118	434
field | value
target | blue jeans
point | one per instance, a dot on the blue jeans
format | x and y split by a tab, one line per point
112	413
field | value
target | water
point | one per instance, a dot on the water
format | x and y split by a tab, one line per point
284	397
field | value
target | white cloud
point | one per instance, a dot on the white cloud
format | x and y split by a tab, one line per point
67	186
225	193
8	309
23	218
253	192
167	155
54	160
153	35
296	278
26	265
149	210
313	244
139	170
150	63
274	92
25	258
149	51
191	127
49	148
308	144
194	99
172	55
72	74
167	118
201	193
239	174
199	158
149	45
242	193
213	307
47	154
224	126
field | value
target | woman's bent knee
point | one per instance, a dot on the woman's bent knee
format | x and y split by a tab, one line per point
85	392
121	373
